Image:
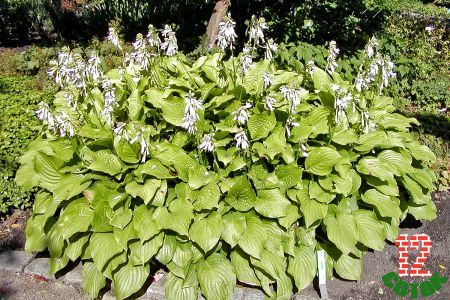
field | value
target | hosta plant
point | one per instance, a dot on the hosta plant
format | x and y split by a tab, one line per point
224	170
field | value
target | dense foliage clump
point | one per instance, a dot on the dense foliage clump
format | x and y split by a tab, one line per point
227	169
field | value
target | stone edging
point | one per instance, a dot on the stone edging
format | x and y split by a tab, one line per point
25	263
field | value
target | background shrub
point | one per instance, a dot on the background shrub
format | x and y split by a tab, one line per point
18	126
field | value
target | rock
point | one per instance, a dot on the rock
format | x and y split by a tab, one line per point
14	261
74	277
39	266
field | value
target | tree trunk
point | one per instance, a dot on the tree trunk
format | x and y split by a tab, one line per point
220	10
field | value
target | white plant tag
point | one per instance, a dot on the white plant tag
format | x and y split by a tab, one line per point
321	266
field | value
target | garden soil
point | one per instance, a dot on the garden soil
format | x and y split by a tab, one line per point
376	264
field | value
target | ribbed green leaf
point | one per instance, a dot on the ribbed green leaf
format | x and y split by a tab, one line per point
129	279
241	195
303	266
206	233
259	125
174	289
93	279
103	248
349	267
387	206
216	277
320	161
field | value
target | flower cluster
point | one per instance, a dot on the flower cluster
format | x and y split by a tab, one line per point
293	96
207	143
226	35
379	66
342	100
170	44
69	69
114	39
333	52
190	112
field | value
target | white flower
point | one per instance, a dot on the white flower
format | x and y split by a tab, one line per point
387	72
241	140
341	102
226	35
93	68
365	121
140	56
332	56
371	47
289	125
190	113
170	44
71	101
114	39
430	28
256	30
267	81
120	130
303	150
293	96
310	66
241	115
152	37
269	103
143	149
247	58
271	47
206	143
63	124
44	114
110	100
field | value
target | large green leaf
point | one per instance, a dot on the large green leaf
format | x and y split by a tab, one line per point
135	104
244	271
254	79
234	227
375	167
303	266
259	125
77	217
271	203
208	197
105	161
216	277
387	206
241	195
398	162
142	252
175	290
423	212
70	185
155	168
103	248
177	217
121	218
206	232
370	230
93	279
76	246
312	210
36	239
173	110
320	161
254	237
129	279
341	230
144	191
47	168
322	81
144	224
199	176
349	267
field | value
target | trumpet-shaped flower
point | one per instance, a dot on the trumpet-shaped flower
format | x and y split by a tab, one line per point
242	114
333	52
271	48
190	112
63	123
170	44
241	140
256	30
226	35
247	58
114	39
152	37
206	143
268	104
44	114
293	96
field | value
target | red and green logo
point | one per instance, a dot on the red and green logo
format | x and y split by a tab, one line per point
392	280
